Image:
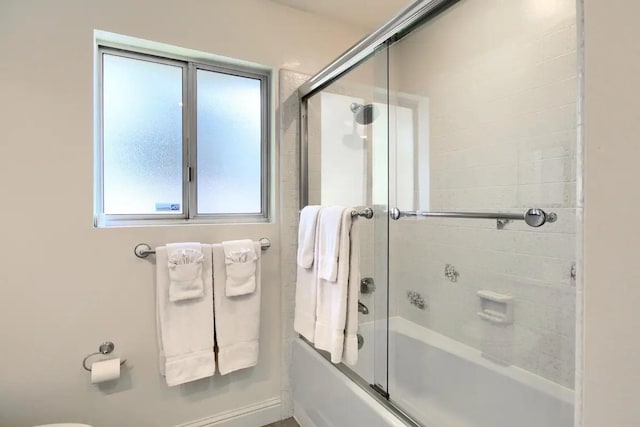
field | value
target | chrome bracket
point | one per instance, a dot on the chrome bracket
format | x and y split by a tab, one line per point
501	223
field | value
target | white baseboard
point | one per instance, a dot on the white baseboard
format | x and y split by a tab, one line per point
256	415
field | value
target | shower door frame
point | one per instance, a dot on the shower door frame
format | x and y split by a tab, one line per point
393	30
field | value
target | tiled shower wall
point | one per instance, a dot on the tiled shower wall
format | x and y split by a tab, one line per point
501	82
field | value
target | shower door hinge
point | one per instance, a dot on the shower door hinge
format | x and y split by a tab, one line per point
380	390
190	174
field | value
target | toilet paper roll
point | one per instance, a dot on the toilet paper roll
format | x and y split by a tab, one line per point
105	370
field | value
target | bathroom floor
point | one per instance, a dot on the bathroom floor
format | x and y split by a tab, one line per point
289	422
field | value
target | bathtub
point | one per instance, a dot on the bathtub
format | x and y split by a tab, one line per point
437	381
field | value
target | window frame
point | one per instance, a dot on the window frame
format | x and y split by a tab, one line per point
189	214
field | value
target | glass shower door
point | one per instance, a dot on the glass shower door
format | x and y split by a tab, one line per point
482	120
347	165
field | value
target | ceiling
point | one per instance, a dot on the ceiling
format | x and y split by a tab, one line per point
365	14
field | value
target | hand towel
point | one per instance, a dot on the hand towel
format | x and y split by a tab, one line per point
329	242
350	351
240	261
237	318
307	236
331	310
304	321
185	271
185	328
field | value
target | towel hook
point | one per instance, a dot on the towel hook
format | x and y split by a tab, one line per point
105	348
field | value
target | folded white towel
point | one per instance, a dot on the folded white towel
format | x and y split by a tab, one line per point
185	271
240	261
304	321
331	310
307	235
350	351
185	328
237	318
329	225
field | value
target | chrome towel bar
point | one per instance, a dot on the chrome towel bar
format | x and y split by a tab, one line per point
534	217
143	250
364	212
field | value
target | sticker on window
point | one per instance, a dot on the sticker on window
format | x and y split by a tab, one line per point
167	207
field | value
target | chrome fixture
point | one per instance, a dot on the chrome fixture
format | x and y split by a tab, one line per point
105	348
451	273
362	308
534	217
143	250
364	114
416	299
360	341
501	223
365	213
367	285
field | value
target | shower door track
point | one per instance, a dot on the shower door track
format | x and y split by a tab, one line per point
392	30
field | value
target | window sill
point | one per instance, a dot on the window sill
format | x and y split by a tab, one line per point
102	222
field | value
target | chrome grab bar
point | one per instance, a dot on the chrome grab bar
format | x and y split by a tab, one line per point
534	217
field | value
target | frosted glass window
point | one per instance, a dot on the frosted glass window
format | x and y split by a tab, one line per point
142	137
180	140
229	148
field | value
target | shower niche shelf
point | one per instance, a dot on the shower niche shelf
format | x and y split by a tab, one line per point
495	308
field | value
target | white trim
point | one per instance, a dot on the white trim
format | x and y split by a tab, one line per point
257	414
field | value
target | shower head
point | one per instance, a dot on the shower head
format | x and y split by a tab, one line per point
364	114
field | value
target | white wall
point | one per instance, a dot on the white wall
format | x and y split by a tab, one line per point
612	202
65	286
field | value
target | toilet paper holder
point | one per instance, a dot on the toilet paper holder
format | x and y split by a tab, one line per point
105	348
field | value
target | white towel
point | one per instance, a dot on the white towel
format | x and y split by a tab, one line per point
237	318
307	236
185	328
329	242
240	261
185	271
304	321
331	310
350	351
